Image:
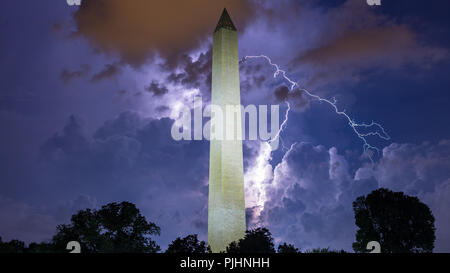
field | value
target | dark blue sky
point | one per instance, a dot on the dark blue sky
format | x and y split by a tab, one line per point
88	96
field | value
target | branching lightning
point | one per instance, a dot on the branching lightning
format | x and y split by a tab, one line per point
379	131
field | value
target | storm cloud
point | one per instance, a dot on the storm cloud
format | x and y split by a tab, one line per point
309	195
74	138
139	29
130	158
109	71
354	39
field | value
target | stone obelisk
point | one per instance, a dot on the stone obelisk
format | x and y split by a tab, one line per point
226	208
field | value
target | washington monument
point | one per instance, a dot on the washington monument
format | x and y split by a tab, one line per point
226	207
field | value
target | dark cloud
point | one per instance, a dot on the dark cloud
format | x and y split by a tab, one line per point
109	71
355	38
137	29
162	108
121	145
251	77
390	46
362	43
157	89
295	97
130	158
126	123
195	73
67	75
201	225
71	141
259	80
250	214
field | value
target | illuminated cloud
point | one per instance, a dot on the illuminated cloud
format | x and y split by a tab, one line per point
308	197
139	29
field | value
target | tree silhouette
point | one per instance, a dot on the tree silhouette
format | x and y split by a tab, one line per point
287	248
41	248
188	244
13	246
400	223
257	240
325	250
116	227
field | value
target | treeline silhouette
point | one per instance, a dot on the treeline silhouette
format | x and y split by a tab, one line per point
400	223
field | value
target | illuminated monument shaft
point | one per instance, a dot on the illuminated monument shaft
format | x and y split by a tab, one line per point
226	208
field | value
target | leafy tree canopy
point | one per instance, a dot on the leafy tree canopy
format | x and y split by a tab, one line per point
188	244
400	223
13	246
257	240
287	248
325	250
116	227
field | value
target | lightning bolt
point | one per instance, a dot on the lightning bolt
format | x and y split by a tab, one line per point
379	131
257	173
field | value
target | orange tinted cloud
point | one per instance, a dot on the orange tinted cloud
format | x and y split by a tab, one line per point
137	29
364	43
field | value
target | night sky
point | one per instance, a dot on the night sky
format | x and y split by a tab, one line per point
88	96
